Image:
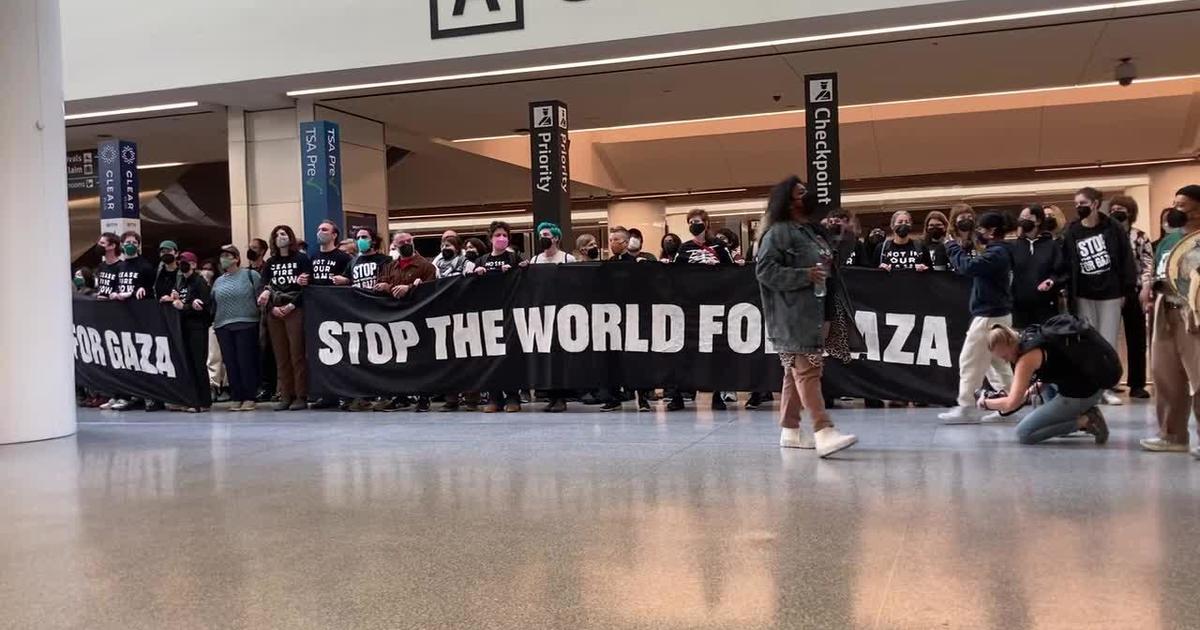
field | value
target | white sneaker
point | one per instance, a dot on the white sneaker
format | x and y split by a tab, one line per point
796	438
829	441
1159	445
995	417
109	403
1110	398
962	415
1196	452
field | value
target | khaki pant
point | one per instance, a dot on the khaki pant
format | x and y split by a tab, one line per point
1175	365
802	390
975	361
287	343
216	365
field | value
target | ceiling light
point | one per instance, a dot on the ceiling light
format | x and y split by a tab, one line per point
132	110
1113	165
143	167
888	30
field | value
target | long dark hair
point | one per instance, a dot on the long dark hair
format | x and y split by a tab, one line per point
293	246
779	206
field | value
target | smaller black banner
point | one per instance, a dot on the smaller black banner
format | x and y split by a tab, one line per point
132	348
821	139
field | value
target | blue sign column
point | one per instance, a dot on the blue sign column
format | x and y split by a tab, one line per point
321	177
117	181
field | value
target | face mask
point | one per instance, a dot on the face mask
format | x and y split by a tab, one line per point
876	237
670	248
364	245
1050	224
545	242
78	280
447	254
696	228
406	250
500	243
1027	225
1176	220
936	234
1120	216
324	238
167	259
129	249
282	242
471	255
185	267
251	255
592	252
836	229
208	275
965	225
635	244
226	264
1083	211
100	249
903	230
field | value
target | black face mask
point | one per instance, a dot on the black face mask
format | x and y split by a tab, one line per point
1027	225
545	242
670	248
982	239
935	234
592	253
903	230
406	250
836	229
696	228
167	259
876	237
251	255
1120	217
447	254
100	249
471	255
1050	224
965	225
185	267
1083	211
1177	218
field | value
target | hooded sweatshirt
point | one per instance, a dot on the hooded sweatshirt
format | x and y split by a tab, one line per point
1034	261
1099	260
991	277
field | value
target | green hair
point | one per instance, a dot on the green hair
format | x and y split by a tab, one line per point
554	229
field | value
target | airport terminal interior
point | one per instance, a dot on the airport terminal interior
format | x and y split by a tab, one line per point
621	518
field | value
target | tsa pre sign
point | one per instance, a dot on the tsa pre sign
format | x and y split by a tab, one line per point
321	174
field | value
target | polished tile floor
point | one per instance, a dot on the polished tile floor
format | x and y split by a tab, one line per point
588	520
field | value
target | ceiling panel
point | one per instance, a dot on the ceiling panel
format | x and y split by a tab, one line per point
1114	131
939	144
1161	45
186	138
672	164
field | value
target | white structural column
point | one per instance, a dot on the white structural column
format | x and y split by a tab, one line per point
36	366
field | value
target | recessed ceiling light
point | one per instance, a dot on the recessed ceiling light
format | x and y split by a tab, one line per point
674	54
131	110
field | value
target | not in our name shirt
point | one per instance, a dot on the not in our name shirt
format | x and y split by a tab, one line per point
133	274
366	268
326	265
902	256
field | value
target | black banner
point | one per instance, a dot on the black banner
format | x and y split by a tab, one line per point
132	348
589	325
823	150
550	164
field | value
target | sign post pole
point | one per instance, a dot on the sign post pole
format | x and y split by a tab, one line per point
550	164
321	177
120	205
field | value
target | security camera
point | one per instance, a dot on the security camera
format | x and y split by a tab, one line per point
777	97
1126	72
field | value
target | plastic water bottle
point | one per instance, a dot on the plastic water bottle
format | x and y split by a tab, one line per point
819	286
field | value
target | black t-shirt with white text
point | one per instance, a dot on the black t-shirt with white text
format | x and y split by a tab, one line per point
365	268
282	274
326	265
902	256
106	278
935	251
711	252
496	262
133	274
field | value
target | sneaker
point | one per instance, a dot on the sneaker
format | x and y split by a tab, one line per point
871	403
796	438
451	405
298	405
611	406
995	417
675	404
1110	398
236	406
1159	445
221	394
729	397
1139	393
249	405
1096	425
753	402
1196	452
153	405
829	441
264	396
718	404
283	405
643	405
961	415
109	403
385	405
512	407
491	407
423	405
121	404
558	405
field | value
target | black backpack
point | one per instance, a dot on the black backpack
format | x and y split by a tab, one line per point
1082	345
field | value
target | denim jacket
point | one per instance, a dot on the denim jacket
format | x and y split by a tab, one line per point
795	316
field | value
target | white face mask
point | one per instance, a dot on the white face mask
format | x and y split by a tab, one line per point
635	244
282	242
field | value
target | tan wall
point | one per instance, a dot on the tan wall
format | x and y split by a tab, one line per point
1164	181
649	216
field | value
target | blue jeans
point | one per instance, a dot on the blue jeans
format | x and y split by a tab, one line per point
1057	416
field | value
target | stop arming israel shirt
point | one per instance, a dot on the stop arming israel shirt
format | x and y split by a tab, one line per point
365	269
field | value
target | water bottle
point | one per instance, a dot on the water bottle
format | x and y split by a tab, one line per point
819	286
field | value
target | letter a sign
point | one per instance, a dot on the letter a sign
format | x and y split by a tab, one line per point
455	18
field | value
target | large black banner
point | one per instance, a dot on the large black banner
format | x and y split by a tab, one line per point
132	348
587	325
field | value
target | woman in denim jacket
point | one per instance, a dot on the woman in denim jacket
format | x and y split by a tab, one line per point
806	313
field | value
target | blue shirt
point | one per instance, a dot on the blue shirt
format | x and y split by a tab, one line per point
235	298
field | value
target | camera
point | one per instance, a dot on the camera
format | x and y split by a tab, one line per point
777	97
1126	72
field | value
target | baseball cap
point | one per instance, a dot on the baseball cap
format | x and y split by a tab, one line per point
232	249
168	245
189	257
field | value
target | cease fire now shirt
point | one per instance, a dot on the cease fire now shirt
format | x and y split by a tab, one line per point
366	268
133	274
106	278
326	265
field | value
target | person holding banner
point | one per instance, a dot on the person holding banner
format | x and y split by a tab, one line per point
283	294
900	252
108	247
450	262
501	260
1038	269
235	320
797	275
669	247
365	269
991	305
934	242
191	299
549	241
